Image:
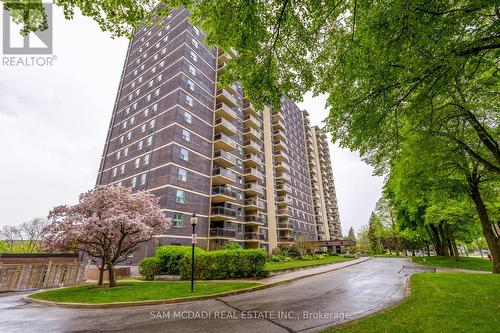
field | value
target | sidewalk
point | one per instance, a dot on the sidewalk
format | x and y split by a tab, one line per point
292	276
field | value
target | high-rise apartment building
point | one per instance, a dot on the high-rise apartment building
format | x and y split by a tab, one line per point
203	148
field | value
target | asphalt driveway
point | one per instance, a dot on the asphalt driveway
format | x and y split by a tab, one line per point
307	305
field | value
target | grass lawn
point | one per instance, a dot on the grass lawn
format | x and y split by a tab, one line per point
477	264
272	266
440	302
138	291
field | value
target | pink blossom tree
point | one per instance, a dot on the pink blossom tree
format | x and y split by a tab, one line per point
108	223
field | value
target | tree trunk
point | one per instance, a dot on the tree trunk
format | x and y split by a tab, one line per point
491	239
436	239
465	249
479	248
453	242
111	273
444	243
101	273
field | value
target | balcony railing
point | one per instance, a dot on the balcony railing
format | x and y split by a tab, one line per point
225	155
223	211
225	138
254	236
224	95
253	186
222	190
254	202
254	218
286	239
222	232
285	225
224	173
224	122
223	108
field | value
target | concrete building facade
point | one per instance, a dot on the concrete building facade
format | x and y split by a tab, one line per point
203	148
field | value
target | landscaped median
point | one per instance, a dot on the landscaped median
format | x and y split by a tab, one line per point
141	293
286	265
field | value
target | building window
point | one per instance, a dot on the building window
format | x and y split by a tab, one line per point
143	128
192	70
144	176
184	154
180	196
122	169
186	135
127	111
193	56
129	135
152	124
178	220
114	171
137	163
140	144
189	100
124	125
148	98
150	84
146	112
157	92
149	141
195	42
164	50
146	159
196	31
182	174
155	107
125	152
133	183
240	228
162	63
134	107
187	117
118	153
190	85
121	139
159	78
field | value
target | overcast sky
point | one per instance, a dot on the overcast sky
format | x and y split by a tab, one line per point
54	122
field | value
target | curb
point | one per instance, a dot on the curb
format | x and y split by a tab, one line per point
29	299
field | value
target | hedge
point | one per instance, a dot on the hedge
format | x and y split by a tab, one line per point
171	255
149	267
225	264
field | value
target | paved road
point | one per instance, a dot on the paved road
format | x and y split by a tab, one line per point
306	305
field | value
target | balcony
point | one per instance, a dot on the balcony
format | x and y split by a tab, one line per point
254	220
283	200
316	194
251	146
222	214
253	204
248	108
224	159
223	57
222	233
278	116
220	68
223	125
282	167
253	189
224	96
253	236
286	239
283	188
286	226
313	171
223	110
223	142
310	148
252	134
252	174
281	156
279	135
221	176
251	121
283	212
279	125
223	194
280	145
281	176
252	160
312	163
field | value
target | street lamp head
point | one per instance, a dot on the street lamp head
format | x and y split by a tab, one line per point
194	219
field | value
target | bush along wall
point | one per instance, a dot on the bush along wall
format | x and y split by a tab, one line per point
149	267
170	257
225	264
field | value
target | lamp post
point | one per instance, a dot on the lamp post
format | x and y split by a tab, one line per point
194	221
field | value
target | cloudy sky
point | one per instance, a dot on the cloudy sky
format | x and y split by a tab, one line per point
54	122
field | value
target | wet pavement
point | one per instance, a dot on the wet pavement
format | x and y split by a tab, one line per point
307	305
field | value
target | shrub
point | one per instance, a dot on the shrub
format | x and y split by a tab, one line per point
226	264
149	267
171	255
231	246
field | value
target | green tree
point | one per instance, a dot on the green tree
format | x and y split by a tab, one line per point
374	227
351	235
